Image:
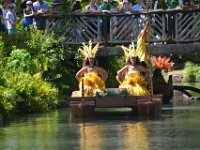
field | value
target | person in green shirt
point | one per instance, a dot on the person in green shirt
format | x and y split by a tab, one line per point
106	7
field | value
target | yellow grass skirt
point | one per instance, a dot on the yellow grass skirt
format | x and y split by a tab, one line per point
135	84
92	84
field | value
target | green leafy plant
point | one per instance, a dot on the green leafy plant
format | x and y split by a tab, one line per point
21	59
32	93
191	72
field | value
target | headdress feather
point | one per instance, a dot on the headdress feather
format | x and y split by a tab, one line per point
130	51
87	50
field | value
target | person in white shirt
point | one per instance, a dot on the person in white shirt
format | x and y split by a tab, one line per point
125	6
11	19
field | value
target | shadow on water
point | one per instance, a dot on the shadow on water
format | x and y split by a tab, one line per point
113	114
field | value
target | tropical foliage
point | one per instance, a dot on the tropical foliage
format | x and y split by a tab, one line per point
19	90
35	72
191	72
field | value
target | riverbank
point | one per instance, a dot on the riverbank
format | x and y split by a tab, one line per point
178	75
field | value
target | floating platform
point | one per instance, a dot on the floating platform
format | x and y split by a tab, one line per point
141	105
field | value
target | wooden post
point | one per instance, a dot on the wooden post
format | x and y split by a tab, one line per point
170	27
170	86
82	110
144	108
149	62
135	109
156	107
104	29
82	90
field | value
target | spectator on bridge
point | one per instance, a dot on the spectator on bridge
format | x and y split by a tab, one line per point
40	7
98	3
4	12
23	5
139	6
14	4
11	19
92	8
187	4
28	15
114	18
115	5
76	6
125	6
106	7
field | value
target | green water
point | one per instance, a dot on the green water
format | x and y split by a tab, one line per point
178	128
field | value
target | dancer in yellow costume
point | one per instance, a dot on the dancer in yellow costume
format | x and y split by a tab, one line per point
134	74
130	76
90	74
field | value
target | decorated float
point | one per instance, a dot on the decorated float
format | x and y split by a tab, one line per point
92	93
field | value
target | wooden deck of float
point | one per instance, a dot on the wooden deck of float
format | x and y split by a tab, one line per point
115	101
141	105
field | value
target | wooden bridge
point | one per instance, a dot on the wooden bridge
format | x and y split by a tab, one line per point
167	26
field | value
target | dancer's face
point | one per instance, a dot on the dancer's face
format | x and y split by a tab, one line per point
91	61
133	60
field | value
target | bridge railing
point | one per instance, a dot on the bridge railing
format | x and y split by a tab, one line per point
167	26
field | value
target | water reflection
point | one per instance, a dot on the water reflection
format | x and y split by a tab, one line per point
132	136
90	137
29	132
177	128
136	134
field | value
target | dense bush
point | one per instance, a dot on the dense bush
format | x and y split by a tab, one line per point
19	90
31	94
49	56
192	72
35	70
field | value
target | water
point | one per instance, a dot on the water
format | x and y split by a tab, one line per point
178	128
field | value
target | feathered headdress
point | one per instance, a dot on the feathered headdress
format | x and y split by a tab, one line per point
130	51
88	51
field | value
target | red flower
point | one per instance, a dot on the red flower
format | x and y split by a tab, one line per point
162	63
